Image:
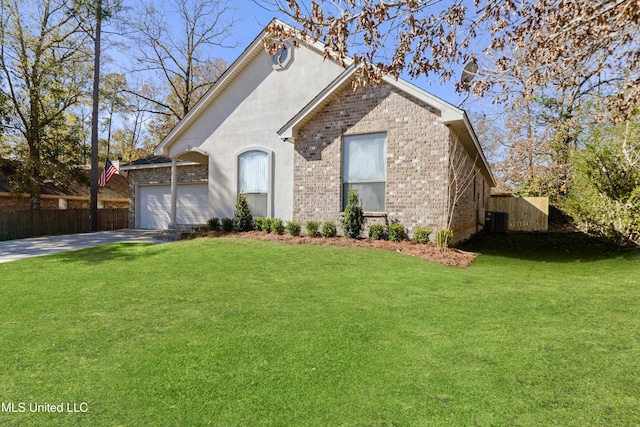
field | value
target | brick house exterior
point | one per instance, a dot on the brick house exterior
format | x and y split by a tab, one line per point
300	132
419	147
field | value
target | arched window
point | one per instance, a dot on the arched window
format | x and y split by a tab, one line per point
253	181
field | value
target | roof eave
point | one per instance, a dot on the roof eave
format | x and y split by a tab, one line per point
289	131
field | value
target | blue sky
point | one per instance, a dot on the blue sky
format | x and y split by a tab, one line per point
253	18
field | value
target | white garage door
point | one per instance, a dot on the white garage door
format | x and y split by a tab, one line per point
193	204
154	205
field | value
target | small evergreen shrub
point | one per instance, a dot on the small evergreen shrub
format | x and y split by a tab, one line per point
227	224
213	224
277	226
376	232
397	232
444	239
293	228
353	221
329	229
258	223
266	225
243	218
313	228
421	234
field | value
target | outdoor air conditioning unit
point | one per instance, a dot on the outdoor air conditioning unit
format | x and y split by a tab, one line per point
496	222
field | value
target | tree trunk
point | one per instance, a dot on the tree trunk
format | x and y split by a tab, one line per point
93	223
33	141
34	178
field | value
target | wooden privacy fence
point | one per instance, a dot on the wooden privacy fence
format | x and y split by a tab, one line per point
525	213
21	224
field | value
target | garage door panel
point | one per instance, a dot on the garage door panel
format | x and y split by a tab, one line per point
193	204
154	205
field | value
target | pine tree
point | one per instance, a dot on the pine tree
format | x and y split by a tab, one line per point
353	221
242	217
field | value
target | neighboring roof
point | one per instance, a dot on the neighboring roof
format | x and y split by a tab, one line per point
7	169
117	188
149	160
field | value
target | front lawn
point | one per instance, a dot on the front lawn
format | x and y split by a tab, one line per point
539	330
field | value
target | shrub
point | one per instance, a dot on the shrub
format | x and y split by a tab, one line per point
266	225
329	229
258	223
353	221
313	228
397	232
293	228
243	219
213	224
444	239
376	232
277	226
227	224
604	196
421	234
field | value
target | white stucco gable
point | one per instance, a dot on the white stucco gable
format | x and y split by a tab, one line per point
243	111
254	93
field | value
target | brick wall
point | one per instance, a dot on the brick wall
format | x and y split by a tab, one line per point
417	155
473	190
162	175
18	203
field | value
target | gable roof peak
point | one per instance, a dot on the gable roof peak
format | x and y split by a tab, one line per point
271	36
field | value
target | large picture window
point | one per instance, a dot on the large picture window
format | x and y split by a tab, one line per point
253	180
364	168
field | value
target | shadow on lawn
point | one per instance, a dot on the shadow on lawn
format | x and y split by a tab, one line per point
113	252
548	247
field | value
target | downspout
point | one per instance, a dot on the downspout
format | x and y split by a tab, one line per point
174	193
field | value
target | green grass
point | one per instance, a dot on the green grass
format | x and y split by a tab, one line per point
540	330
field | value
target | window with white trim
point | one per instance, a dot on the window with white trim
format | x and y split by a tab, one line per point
253	181
364	168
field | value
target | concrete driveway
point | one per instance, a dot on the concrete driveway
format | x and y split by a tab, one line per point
12	250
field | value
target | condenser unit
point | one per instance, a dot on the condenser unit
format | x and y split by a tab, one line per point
496	222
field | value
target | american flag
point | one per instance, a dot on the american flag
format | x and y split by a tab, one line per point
107	173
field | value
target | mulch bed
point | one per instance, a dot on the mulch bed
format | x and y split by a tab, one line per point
452	257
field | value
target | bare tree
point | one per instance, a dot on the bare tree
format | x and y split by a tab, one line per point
462	171
574	43
131	140
179	53
44	62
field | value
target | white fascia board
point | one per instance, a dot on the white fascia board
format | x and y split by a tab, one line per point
449	115
448	112
289	131
156	166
